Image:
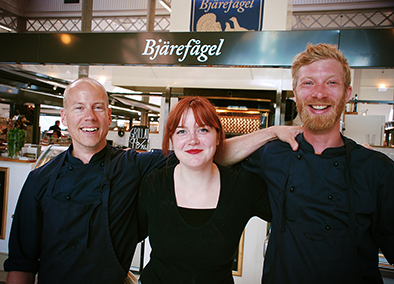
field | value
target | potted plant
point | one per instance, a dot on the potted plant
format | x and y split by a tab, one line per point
16	136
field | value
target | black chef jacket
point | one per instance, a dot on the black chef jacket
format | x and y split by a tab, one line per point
81	184
331	212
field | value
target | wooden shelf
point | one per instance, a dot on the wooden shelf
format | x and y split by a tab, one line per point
6	159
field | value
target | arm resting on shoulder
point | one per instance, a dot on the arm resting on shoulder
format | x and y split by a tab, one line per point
20	277
238	148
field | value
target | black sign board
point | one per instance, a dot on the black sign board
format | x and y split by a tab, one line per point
139	138
260	49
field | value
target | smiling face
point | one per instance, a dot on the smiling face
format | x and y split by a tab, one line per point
87	116
194	145
320	94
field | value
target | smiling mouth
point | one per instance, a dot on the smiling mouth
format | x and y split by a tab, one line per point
194	151
89	129
319	107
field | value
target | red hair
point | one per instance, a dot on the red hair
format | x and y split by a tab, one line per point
204	113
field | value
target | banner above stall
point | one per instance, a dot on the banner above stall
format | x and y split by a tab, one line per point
363	48
226	15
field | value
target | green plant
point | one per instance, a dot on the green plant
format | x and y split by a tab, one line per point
15	141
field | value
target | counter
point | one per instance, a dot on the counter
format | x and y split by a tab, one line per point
15	173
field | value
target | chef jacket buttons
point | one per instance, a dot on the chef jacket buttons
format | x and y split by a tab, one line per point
68	197
292	189
299	157
102	164
70	168
328	227
336	164
329	197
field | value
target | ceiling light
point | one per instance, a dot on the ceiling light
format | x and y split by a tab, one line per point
8	29
382	88
165	5
65	38
102	79
122	108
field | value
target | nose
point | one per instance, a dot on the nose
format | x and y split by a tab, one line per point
193	139
319	91
90	114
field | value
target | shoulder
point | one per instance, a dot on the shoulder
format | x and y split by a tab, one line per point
38	179
272	152
158	174
363	154
370	162
274	147
49	167
159	178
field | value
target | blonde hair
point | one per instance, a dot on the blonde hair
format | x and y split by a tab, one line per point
316	52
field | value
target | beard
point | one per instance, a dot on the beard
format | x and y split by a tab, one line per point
316	122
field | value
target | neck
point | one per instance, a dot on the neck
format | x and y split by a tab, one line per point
321	140
200	174
197	188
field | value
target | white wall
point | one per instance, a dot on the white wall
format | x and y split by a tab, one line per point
18	174
370	80
252	268
373	94
275	15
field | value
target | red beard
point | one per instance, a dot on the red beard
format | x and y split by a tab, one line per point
320	122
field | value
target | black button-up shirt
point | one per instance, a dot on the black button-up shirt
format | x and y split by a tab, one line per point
311	197
81	184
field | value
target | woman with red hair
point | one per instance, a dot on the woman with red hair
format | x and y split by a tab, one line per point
195	211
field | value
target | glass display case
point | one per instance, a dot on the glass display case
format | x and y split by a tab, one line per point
48	153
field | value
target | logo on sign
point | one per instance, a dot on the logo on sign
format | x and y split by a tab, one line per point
226	15
194	47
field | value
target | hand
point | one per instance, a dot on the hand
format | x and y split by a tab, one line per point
287	134
366	145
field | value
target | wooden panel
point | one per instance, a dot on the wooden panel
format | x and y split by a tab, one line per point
4	182
13	6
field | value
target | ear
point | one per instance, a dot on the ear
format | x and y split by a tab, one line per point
109	116
348	93
295	95
63	116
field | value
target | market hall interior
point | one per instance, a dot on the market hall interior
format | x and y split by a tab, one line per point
247	75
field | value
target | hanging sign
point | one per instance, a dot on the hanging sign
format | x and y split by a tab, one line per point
264	48
139	138
226	15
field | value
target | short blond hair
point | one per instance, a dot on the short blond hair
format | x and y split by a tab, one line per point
316	52
84	80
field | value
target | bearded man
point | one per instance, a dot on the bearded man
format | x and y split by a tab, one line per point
332	199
